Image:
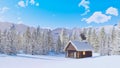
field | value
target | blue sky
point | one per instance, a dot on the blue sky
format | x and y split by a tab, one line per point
60	13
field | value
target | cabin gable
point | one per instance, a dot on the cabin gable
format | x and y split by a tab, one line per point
70	47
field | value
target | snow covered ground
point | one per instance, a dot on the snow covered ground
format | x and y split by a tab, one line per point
28	61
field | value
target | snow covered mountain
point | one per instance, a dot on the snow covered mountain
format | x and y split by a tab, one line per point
22	28
19	27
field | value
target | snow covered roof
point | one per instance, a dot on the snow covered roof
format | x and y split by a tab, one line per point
80	46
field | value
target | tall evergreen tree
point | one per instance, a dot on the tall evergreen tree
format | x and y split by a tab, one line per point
12	40
95	41
64	37
27	41
102	41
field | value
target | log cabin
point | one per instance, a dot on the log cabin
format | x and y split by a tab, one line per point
77	49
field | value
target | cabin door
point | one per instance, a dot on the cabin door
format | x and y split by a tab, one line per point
74	54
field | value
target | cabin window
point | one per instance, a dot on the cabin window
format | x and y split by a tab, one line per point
83	52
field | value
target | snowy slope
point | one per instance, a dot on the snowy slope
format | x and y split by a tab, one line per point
28	61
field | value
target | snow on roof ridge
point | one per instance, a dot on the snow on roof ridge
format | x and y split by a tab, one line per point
80	46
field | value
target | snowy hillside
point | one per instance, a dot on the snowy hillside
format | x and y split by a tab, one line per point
28	61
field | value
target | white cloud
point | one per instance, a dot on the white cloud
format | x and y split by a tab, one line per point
4	9
21	3
83	19
98	17
112	11
85	4
26	3
37	4
32	2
